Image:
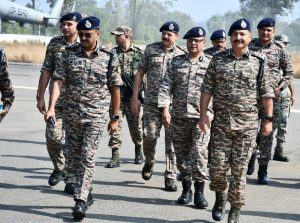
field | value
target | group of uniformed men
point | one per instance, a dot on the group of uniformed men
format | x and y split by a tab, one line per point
169	86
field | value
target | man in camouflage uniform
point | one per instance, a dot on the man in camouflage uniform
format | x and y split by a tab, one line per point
6	89
182	83
235	79
154	64
287	99
218	40
90	75
281	73
54	132
129	56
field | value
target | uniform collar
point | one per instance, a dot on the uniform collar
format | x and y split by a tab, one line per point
230	53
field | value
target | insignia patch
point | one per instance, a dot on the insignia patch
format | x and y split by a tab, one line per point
171	26
223	34
200	32
88	24
243	24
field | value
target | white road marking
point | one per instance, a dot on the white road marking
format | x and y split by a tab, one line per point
24	87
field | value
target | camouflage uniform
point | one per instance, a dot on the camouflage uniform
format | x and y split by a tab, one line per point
154	63
182	80
55	134
129	61
233	85
86	105
278	59
6	89
211	51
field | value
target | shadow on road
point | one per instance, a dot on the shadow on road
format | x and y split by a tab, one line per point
22	141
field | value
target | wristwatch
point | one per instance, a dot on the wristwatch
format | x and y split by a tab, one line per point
269	118
115	117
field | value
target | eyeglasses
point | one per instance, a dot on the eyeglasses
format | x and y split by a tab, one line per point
195	40
86	35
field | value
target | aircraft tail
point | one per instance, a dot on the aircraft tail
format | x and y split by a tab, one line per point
55	13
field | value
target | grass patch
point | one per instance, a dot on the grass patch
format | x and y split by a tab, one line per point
296	66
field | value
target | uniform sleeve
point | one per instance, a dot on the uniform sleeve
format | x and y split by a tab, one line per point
208	85
115	78
49	60
286	67
265	89
7	91
165	89
143	65
60	70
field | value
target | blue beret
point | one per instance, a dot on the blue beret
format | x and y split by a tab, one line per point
241	24
195	32
170	26
87	23
266	22
72	16
218	34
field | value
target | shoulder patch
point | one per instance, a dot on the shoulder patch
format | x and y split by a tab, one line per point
279	43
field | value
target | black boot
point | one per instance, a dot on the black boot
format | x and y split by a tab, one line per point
170	184
251	164
278	154
263	175
147	171
186	196
79	210
218	210
69	188
138	159
199	199
55	177
90	200
115	159
234	215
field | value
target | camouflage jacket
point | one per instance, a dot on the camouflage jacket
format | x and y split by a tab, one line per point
54	51
212	51
182	81
87	80
154	63
7	91
129	61
236	85
278	60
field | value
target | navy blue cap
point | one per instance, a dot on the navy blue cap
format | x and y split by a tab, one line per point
195	32
241	24
71	16
170	26
266	22
218	34
87	23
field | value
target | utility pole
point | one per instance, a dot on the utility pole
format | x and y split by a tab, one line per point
133	19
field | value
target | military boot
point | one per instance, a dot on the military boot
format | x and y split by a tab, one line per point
278	154
147	171
234	215
251	164
199	199
115	159
263	175
55	177
170	185
79	210
138	159
186	196
218	210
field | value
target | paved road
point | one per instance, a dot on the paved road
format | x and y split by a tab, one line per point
121	194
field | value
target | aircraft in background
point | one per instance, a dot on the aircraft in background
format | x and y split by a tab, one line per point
10	11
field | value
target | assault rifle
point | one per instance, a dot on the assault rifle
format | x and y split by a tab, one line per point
128	81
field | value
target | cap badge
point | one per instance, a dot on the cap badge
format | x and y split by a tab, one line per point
171	26
243	24
200	32
223	34
74	17
88	24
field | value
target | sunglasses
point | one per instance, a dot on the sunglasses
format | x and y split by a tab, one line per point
86	35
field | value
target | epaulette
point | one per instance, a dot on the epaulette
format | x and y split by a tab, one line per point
107	50
279	43
208	56
138	48
153	44
181	48
56	38
72	47
258	55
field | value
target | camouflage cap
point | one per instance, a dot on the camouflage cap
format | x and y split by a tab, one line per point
122	30
283	38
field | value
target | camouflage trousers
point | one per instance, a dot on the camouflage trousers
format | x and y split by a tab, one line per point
152	123
84	137
55	137
134	125
265	143
190	146
231	149
285	104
